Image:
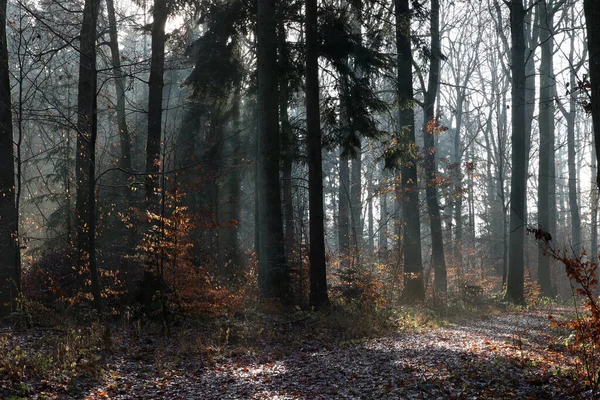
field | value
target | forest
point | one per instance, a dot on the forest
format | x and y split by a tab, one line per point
301	199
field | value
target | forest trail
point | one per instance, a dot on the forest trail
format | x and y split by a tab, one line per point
497	357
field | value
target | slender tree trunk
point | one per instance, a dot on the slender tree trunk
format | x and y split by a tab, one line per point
318	271
518	216
458	229
573	205
273	277
155	103
286	143
382	243
356	222
414	286
371	226
429	132
594	207
125	159
344	211
86	147
9	270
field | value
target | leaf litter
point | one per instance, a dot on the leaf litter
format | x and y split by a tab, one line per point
497	357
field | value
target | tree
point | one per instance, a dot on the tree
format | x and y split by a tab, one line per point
274	277
518	213
125	140
155	100
87	126
546	188
592	16
9	269
430	128
414	288
318	270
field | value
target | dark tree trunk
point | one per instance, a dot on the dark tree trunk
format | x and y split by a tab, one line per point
9	269
86	147
286	144
592	16
546	126
318	271
429	132
518	217
414	287
273	277
155	103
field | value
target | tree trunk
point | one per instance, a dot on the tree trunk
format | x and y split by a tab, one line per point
458	229
594	207
356	222
371	226
414	287
286	143
229	248
546	126
518	217
429	132
125	159
592	16
382	243
9	269
155	103
273	277
344	211
86	147
318	271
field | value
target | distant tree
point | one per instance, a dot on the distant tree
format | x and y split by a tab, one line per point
9	269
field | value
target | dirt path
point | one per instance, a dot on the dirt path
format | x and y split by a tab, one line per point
507	356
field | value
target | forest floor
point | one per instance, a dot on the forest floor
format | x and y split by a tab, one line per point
498	356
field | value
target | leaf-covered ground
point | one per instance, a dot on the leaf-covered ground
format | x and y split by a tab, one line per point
496	357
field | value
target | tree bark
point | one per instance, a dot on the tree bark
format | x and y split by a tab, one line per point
286	143
155	103
592	16
356	223
9	269
414	287
382	243
518	217
318	270
273	277
546	126
344	211
86	147
125	140
429	132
